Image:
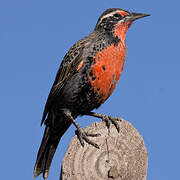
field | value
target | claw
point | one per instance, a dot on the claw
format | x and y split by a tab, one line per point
92	135
109	119
114	122
83	136
80	138
90	142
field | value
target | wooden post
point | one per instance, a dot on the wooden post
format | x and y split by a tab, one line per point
122	156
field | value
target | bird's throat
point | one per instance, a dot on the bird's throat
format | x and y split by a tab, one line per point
120	30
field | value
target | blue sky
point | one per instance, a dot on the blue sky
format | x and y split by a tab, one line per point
34	37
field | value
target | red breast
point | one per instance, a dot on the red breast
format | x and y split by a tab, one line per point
108	65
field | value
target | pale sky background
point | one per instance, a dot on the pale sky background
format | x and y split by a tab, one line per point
34	37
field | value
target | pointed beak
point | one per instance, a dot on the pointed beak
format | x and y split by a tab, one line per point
134	16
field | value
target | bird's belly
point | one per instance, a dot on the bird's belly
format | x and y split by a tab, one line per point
106	70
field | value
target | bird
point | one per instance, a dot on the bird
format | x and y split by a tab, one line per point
87	76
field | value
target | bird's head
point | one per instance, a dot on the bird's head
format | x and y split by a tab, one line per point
117	21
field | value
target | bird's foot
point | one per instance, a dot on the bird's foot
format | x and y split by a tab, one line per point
83	136
114	120
107	119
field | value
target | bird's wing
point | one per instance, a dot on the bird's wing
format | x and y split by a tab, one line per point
67	68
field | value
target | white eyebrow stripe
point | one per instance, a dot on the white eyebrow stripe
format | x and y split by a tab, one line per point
108	15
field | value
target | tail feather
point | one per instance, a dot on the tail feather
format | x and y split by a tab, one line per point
48	147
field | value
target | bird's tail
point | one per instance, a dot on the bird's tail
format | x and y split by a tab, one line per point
48	147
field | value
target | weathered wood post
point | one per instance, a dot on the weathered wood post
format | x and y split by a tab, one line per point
122	156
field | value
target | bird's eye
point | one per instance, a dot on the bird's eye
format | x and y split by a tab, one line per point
117	15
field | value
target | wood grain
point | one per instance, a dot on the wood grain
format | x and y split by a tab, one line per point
122	156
